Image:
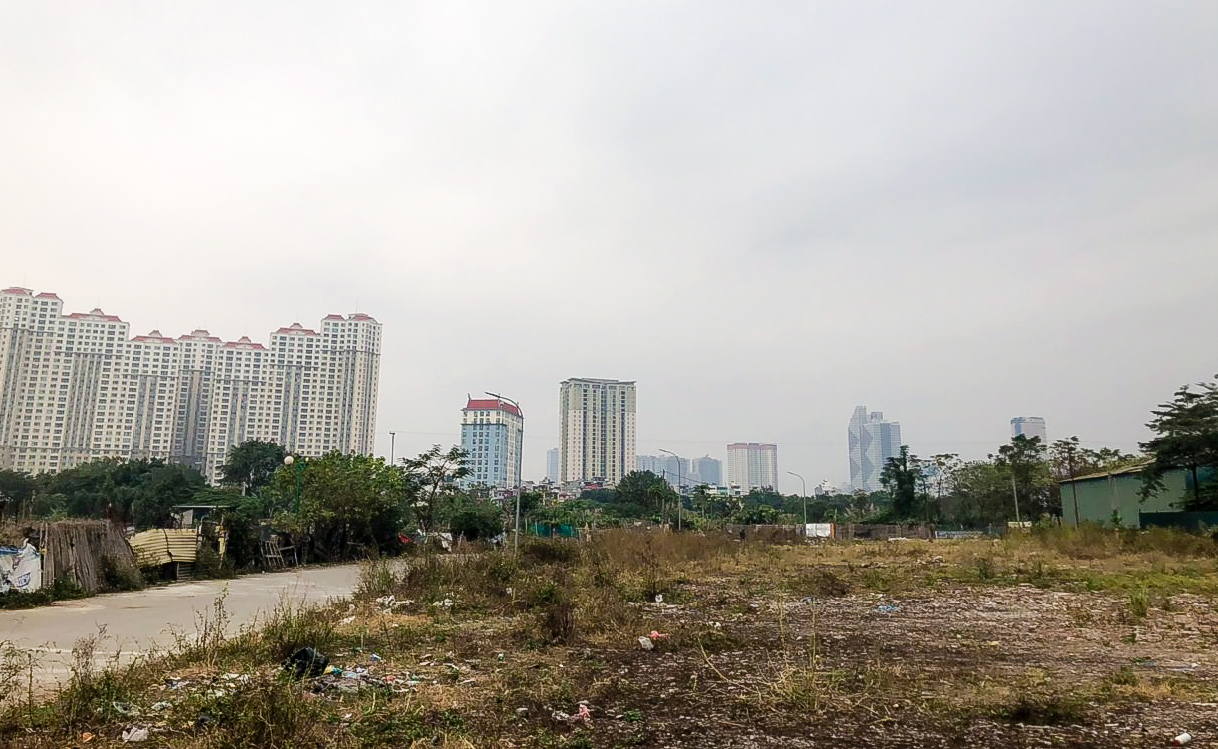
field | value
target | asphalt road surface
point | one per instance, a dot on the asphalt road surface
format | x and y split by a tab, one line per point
142	622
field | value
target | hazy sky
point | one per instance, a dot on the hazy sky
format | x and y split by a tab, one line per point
765	213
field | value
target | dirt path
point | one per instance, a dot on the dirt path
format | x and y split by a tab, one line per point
135	623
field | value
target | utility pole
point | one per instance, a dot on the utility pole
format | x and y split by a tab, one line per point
1015	493
393	436
519	483
680	489
804	494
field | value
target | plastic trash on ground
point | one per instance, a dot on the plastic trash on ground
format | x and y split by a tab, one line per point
135	735
307	662
646	643
1182	739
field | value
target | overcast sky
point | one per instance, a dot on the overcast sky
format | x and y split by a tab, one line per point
765	213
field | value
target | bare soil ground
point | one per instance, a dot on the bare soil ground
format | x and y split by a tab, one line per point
946	644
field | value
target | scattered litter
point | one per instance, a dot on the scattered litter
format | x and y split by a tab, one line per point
177	683
135	735
560	716
1182	739
658	635
501	657
159	706
86	737
584	715
122	708
646	643
347	620
375	658
307	662
522	711
385	600
885	608
333	670
348	682
659	598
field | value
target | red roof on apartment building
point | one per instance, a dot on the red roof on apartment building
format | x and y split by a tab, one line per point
48	295
296	328
96	314
153	337
490	404
17	290
360	316
199	334
245	343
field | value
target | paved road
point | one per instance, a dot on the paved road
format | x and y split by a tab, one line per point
136	623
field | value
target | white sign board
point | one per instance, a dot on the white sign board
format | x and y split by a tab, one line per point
20	568
818	530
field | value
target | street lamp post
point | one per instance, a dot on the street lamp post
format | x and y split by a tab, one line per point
680	489
393	437
290	461
519	483
804	494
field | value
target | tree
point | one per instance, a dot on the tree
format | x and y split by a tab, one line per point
642	494
16	490
347	502
1186	436
435	473
1024	460
901	476
160	490
251	465
475	519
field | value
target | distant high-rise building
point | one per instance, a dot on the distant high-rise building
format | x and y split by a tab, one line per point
597	430
1029	426
706	470
76	387
552	464
492	436
752	465
666	467
872	442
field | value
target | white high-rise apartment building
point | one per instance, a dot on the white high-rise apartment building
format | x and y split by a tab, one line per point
752	465
492	436
1030	426
597	430
77	387
552	464
872	442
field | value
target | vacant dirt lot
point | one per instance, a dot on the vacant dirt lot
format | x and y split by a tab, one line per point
1049	641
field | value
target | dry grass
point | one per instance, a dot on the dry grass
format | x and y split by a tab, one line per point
756	638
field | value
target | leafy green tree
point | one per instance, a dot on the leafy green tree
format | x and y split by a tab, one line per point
251	465
643	494
758	514
160	490
902	476
981	495
348	503
600	496
1186	437
434	475
16	490
476	519
1024	460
